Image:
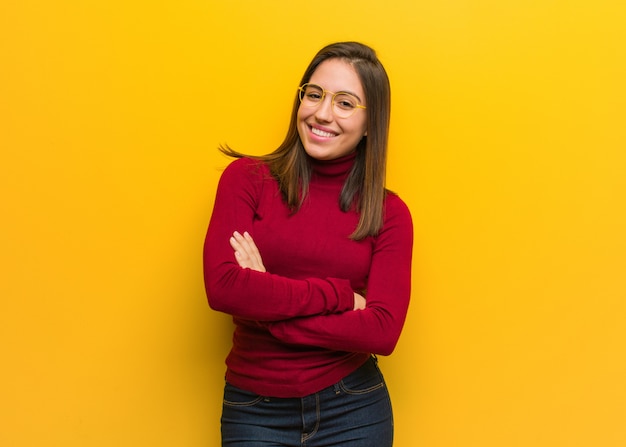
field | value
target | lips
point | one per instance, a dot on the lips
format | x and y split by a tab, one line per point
322	133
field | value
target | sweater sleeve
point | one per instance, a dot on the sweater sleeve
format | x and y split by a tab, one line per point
377	328
246	293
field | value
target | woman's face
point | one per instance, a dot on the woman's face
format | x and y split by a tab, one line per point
324	135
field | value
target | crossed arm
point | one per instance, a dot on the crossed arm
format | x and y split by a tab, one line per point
310	311
373	328
248	256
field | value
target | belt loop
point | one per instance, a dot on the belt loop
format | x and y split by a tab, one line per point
375	358
336	388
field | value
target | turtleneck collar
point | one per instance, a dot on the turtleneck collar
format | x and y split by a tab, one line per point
337	168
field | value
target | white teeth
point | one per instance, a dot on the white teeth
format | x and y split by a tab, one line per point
321	133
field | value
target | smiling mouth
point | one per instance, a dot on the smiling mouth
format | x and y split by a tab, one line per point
322	133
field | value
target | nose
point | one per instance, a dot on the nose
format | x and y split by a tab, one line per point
324	111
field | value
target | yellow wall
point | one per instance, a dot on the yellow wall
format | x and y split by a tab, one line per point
508	144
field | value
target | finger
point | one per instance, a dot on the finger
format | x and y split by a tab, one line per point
253	250
241	250
254	260
246	248
246	252
240	256
235	245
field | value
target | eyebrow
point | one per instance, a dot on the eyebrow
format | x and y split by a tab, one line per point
350	93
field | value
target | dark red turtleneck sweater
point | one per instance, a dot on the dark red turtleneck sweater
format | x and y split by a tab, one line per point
295	330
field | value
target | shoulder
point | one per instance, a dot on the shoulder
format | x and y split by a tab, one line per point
394	205
246	176
246	166
396	213
245	169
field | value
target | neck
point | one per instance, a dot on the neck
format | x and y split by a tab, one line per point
338	168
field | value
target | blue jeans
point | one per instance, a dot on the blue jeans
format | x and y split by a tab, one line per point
355	412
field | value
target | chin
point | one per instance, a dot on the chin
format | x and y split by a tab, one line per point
319	155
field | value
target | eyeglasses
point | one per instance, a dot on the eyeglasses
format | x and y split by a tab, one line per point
343	104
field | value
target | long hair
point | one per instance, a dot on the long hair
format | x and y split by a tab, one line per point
364	189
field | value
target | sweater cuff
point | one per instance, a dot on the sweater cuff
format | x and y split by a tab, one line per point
345	294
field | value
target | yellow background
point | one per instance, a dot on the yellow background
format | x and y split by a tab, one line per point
508	143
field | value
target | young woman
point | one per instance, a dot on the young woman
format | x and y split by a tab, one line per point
311	255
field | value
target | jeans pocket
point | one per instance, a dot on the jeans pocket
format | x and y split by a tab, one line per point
236	397
364	380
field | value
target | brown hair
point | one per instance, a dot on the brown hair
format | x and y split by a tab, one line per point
365	186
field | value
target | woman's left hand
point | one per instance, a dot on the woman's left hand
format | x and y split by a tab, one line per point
246	252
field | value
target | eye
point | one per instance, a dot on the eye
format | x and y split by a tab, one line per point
345	101
313	93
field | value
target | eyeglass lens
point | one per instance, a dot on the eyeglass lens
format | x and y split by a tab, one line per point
344	104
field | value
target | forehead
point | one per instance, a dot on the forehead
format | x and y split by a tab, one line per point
337	75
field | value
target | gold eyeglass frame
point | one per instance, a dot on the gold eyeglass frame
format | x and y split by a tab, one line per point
334	95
